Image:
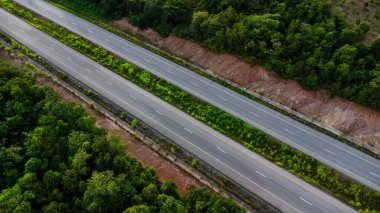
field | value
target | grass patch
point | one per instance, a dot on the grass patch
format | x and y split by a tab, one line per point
303	166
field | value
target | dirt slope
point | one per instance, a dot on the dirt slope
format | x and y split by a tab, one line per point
354	119
164	168
357	11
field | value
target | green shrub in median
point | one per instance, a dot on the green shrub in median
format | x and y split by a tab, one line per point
60	161
303	166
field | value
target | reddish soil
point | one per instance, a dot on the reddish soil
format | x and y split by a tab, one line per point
354	119
164	168
356	11
14	61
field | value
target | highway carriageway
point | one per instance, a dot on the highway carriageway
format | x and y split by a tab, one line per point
272	183
325	149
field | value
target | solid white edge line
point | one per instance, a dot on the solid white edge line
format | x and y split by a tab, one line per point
306	201
143	66
188	130
223	163
153	56
260	174
253	113
194	84
312	134
290	131
131	45
330	152
168	129
222	150
191	74
222	98
375	174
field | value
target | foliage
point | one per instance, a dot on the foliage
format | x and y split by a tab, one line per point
296	39
291	159
54	159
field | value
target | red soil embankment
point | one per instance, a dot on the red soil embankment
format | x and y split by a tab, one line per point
354	119
165	170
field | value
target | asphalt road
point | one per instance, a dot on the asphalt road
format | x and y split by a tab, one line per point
334	153
252	171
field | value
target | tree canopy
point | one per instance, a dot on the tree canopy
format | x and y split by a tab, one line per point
54	159
299	40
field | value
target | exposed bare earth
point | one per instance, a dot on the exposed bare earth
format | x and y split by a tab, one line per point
354	119
358	11
4	55
164	168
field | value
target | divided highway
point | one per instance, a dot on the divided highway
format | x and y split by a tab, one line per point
282	189
334	153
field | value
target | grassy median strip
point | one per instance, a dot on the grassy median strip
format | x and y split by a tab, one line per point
88	13
305	167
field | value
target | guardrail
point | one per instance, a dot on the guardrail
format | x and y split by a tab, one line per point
148	134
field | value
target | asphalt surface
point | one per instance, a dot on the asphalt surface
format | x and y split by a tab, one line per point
252	171
334	153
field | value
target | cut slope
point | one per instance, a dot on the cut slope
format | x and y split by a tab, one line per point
358	10
360	122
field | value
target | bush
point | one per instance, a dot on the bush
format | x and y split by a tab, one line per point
56	160
298	163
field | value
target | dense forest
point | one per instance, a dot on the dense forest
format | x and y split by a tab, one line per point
297	39
303	166
54	159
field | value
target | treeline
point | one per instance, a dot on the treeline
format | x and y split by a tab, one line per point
54	159
299	40
305	167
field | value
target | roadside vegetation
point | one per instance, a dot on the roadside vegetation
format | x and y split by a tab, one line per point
54	159
305	167
360	10
299	40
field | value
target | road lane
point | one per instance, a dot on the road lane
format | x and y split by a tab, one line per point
347	160
278	186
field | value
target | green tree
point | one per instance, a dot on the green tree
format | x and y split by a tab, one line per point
348	36
138	209
171	205
202	200
108	193
34	165
375	47
169	188
52	179
103	193
10	165
52	207
346	54
150	193
61	162
13	199
79	162
176	12
71	180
